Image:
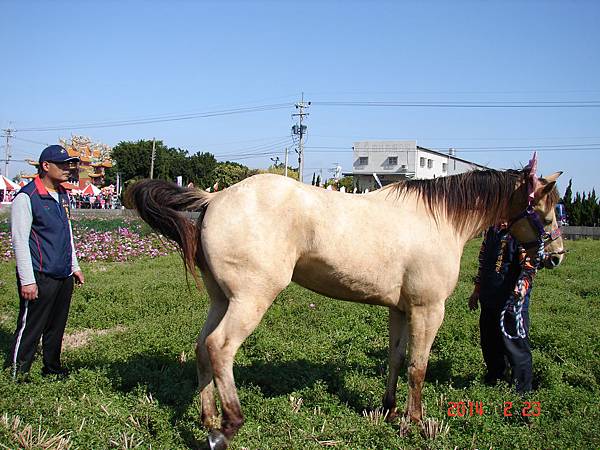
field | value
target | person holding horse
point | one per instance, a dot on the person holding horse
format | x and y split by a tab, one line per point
46	264
504	322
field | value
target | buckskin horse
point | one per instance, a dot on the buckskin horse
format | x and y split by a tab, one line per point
398	247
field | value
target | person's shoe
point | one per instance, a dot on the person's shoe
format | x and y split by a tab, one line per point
22	377
491	379
60	374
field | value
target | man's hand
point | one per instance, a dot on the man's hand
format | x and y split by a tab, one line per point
29	291
79	278
474	300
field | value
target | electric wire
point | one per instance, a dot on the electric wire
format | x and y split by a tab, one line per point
157	119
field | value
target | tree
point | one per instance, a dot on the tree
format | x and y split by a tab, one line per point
584	210
590	214
280	170
199	169
347	182
314	178
576	210
568	197
595	207
132	160
229	173
170	163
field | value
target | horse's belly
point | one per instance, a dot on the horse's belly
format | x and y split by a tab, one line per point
342	284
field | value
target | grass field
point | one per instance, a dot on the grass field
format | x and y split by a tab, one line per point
309	375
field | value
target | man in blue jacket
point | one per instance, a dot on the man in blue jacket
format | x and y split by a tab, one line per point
503	323
47	266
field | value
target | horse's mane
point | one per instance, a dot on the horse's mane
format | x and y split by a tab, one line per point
483	193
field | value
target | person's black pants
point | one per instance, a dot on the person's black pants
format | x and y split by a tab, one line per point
44	317
496	346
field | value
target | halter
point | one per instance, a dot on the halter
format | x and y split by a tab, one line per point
517	298
544	237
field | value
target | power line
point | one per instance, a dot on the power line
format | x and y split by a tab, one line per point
425	92
171	118
566	147
457	138
257	150
442	104
30	141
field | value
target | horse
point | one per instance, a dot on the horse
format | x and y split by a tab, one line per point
398	247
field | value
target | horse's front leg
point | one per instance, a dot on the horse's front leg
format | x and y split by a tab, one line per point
423	325
398	327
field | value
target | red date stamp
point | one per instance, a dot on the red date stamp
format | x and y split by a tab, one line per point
470	408
462	409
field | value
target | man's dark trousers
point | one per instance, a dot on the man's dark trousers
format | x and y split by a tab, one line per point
44	317
495	346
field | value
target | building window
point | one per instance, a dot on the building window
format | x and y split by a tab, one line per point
430	163
444	167
363	160
392	160
422	162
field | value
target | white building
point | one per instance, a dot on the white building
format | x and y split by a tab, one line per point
391	161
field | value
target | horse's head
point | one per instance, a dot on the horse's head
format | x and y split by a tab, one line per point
533	217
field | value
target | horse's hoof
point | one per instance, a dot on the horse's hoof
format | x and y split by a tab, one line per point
216	440
390	415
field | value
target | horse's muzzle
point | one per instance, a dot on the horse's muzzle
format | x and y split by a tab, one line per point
553	260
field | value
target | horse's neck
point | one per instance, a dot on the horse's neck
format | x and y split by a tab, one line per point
477	222
471	223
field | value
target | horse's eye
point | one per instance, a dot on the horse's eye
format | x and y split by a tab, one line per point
547	222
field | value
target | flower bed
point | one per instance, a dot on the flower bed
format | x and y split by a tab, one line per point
108	240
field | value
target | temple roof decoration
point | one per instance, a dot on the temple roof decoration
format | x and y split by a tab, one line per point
94	158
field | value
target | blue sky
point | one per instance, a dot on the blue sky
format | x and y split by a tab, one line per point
68	63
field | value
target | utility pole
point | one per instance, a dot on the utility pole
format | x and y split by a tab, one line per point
301	131
286	162
8	134
152	160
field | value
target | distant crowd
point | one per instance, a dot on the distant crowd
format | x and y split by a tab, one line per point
100	201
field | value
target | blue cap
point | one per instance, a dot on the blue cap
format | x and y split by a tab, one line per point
56	153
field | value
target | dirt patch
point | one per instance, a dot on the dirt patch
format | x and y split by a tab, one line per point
82	338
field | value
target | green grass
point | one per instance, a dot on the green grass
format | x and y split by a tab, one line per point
138	383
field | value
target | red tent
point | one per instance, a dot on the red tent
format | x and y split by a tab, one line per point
8	185
90	189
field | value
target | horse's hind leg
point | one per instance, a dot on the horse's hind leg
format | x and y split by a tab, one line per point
217	309
243	315
398	327
423	325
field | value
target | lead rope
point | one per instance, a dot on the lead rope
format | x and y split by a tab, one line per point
517	298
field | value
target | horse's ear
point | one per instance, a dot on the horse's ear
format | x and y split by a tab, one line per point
551	178
544	190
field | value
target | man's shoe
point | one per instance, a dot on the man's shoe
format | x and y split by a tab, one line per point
61	373
22	377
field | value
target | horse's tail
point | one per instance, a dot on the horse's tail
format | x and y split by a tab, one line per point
160	203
